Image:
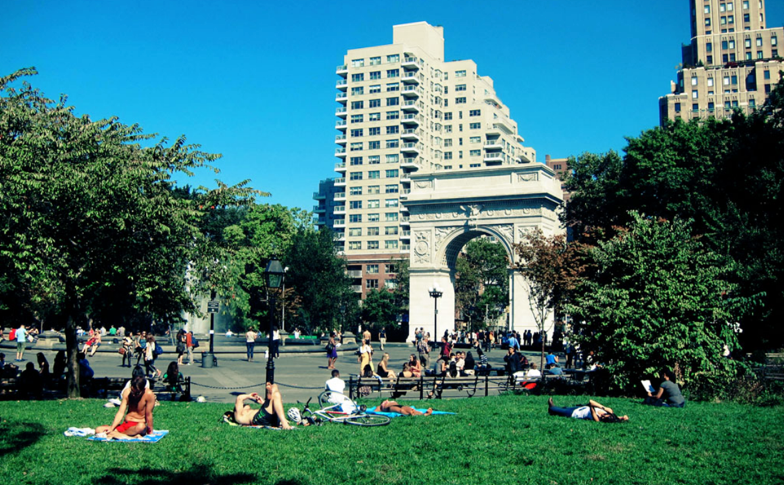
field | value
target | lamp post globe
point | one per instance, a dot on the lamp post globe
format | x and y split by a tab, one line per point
435	293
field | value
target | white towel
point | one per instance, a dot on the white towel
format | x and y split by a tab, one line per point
79	432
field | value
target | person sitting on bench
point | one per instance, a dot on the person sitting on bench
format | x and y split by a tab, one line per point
270	414
393	407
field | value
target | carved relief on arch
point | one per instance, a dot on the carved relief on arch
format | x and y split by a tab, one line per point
422	247
528	177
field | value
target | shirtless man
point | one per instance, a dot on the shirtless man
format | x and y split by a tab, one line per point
271	412
393	407
139	402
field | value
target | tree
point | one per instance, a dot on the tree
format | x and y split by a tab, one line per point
88	211
379	309
551	269
482	282
655	300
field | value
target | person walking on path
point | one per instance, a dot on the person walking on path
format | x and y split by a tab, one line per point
423	348
365	356
250	343
189	345
332	351
275	342
382	337
21	339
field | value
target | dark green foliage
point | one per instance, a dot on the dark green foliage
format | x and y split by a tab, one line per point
481	284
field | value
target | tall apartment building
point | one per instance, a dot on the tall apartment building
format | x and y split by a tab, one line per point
403	108
732	62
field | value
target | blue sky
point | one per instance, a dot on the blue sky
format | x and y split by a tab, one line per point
255	81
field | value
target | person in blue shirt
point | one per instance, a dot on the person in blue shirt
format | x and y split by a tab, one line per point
513	343
551	359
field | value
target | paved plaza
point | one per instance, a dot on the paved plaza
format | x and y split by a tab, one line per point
300	373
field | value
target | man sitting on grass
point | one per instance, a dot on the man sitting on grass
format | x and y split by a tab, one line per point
139	402
271	413
393	407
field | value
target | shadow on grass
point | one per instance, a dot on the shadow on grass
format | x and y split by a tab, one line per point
17	436
197	474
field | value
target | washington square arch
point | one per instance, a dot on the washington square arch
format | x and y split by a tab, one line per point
448	209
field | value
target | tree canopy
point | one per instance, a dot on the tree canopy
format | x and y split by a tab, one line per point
482	281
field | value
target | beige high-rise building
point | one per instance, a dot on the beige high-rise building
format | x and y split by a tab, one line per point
402	108
732	62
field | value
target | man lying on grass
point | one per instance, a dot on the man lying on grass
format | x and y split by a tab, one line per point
393	407
593	410
139	401
271	413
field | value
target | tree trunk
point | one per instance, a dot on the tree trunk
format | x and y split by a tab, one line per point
71	351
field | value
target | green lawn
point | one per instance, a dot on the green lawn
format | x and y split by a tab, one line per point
508	439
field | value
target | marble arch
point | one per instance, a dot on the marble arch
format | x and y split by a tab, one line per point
448	209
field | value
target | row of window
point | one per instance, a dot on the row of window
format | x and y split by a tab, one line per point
375	159
712	107
748	56
375	61
374	189
374	231
388	217
730	19
374	204
730	43
373	174
388	244
359	77
372	145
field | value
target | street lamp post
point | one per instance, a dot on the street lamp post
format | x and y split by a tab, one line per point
283	302
435	293
273	276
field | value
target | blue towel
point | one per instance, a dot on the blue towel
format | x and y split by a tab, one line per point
155	437
396	415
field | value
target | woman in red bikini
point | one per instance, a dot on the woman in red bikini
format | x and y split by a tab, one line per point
139	402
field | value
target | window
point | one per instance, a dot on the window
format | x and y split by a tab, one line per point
475	165
677	107
447	116
759	41
371	269
390	268
726	80
373	189
357	77
752	103
745	4
391	87
711	106
475	112
390	216
393	58
373	204
694	80
766	75
357	104
393	115
707	8
393	72
695	107
357	118
460	100
732	44
392	173
374	117
447	155
390	203
475	139
372	217
709	47
730	19
447	128
355	245
390	231
373	231
355	232
447	142
391	244
460	74
355	204
355	176
376	88
358	63
460	87
374	103
475	153
729	7
374	174
355	218
355	191
695	94
391	189
356	160
357	91
371	284
393	101
707	22
393	130
375	61
710	81
474	126
734	79
392	158
372	244
746	18
722	8
774	40
374	131
357	133
374	159
747	43
726	105
393	143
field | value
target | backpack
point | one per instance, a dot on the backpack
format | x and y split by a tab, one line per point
194	342
12	334
158	350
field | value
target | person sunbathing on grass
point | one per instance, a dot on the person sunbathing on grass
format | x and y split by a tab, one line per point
271	413
139	402
593	411
393	407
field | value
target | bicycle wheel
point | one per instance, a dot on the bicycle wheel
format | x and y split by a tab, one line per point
367	420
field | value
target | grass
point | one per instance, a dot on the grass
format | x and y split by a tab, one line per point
507	439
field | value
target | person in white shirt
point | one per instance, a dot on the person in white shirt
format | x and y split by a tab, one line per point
336	386
534	373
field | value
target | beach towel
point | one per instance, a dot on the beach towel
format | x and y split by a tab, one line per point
375	410
154	437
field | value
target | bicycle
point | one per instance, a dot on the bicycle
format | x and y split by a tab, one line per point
337	408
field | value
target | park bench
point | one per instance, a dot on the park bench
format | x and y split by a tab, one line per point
9	387
460	384
164	391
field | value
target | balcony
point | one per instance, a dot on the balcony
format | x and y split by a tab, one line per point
340	152
411	162
341	97
340	167
340	182
505	124
410	62
405	234
410	134
494	130
341	112
404	209
404	193
411	147
339	237
404	221
319	196
319	209
339	223
341	125
354	273
342	84
410	77
412	118
340	139
339	209
342	70
410	106
339	196
356	288
492	145
411	91
405	248
405	179
494	158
